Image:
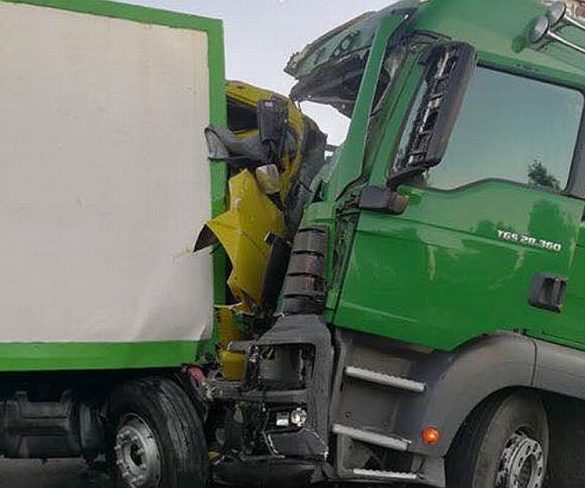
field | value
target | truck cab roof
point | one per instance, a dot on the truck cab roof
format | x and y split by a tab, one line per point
329	69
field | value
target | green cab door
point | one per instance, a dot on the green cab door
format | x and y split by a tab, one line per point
484	232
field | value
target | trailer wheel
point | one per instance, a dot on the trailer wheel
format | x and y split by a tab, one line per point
503	444
158	438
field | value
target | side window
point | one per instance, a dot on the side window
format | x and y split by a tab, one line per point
512	128
383	106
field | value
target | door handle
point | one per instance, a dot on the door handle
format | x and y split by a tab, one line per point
548	292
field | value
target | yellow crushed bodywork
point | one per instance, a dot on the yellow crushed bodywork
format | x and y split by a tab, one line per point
252	215
242	231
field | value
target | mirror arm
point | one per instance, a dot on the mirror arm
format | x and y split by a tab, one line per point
386	199
382	199
404	175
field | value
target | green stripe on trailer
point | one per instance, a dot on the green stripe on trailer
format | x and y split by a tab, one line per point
95	356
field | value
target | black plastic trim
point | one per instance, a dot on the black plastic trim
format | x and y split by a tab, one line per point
304	288
382	199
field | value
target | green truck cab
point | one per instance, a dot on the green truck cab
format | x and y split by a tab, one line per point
432	327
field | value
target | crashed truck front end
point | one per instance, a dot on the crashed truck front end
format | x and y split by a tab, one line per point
277	414
271	372
273	152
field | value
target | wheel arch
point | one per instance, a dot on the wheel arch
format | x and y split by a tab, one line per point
458	382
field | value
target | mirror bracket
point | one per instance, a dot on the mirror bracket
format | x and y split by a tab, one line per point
382	199
450	66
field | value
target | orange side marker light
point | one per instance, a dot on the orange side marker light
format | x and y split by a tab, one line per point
431	436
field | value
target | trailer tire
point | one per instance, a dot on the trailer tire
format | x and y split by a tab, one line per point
504	438
157	436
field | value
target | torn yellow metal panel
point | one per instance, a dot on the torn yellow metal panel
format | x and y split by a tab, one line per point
242	231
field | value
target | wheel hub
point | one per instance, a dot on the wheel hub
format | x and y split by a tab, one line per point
521	464
137	454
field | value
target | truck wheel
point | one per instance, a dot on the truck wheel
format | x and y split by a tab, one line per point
503	444
158	438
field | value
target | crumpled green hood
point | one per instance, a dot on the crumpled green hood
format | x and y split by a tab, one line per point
329	70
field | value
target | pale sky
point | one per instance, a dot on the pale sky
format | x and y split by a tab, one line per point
261	35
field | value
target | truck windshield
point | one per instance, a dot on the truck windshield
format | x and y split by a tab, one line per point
512	128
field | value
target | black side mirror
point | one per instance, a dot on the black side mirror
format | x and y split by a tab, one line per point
450	67
272	117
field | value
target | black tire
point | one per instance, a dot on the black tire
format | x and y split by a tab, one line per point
475	458
162	406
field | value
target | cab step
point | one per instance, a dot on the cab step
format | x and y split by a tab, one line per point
374	475
385	379
374	438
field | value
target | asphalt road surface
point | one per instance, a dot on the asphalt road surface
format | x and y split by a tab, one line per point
52	474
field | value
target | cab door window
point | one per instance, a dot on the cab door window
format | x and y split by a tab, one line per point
512	128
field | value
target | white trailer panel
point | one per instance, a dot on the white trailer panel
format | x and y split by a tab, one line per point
104	179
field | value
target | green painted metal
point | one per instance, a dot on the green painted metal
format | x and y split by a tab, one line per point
438	275
348	167
499	29
96	356
567	328
442	276
79	356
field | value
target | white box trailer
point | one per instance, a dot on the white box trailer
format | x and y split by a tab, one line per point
104	186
